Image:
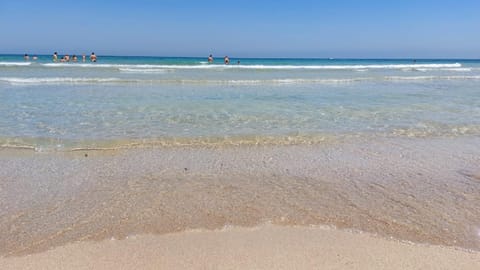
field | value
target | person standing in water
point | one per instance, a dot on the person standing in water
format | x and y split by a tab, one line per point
210	59
26	57
93	57
55	57
226	60
84	58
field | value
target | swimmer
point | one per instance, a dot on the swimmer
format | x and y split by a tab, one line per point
55	57
226	60
74	58
84	57
93	57
210	59
26	57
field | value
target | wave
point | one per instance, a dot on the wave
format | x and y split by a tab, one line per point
57	144
70	80
46	145
429	78
146	70
59	80
355	67
458	69
14	64
444	69
257	67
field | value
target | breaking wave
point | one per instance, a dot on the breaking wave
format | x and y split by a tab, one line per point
14	64
258	67
70	80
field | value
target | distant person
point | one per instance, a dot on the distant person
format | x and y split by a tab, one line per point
26	57
55	57
238	62
74	58
226	60
210	59
93	57
84	57
67	58
35	58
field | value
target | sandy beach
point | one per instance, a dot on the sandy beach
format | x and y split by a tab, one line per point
241	135
424	191
264	247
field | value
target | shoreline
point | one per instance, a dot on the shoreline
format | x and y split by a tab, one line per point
261	247
420	190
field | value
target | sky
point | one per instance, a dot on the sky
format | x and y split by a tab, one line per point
244	28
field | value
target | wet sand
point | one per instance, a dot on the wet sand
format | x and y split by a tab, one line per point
264	247
421	190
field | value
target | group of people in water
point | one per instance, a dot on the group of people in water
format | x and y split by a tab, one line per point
93	58
65	58
226	60
26	57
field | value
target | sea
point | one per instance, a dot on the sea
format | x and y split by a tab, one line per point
127	101
140	145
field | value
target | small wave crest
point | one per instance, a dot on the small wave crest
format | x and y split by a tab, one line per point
354	67
258	67
45	145
71	80
430	78
426	130
146	70
59	80
14	64
444	69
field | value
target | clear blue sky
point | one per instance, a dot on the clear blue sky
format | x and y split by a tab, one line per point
244	28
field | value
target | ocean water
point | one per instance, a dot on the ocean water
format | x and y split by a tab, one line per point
406	165
146	101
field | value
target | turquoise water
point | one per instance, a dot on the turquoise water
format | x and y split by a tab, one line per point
135	101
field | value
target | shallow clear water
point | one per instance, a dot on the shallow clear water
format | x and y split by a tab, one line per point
121	101
422	190
381	181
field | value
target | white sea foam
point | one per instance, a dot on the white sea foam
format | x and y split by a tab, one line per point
146	70
352	67
444	69
272	67
13	64
458	69
75	65
58	80
429	78
290	81
69	80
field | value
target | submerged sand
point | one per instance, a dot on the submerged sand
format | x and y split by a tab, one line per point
421	190
265	247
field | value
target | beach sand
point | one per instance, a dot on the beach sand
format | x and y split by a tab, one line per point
264	247
420	190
